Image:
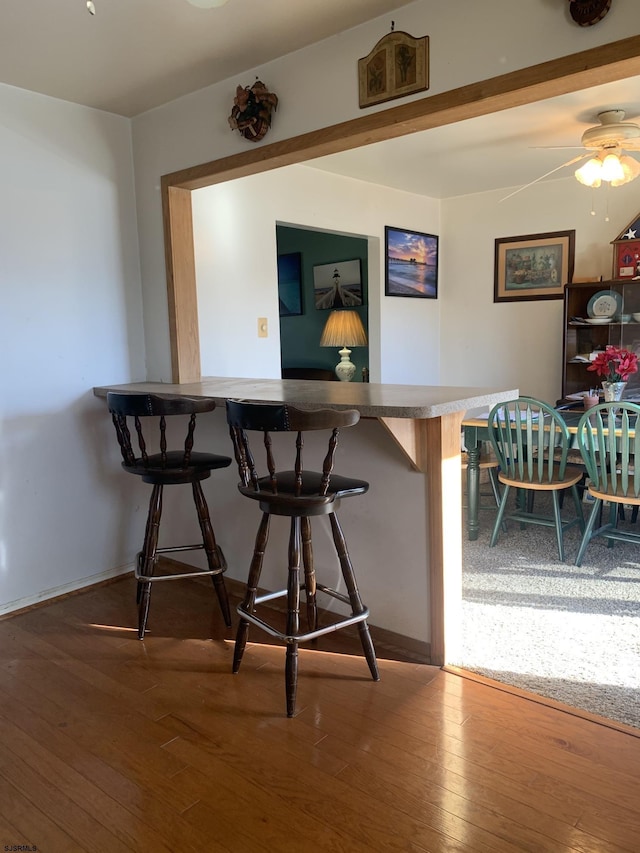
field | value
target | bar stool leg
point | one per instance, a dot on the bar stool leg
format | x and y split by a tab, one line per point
309	574
248	603
293	614
354	595
216	564
147	558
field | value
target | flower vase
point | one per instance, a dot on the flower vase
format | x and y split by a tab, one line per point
613	391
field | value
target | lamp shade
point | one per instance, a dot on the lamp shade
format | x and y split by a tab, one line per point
614	168
630	169
343	329
591	173
611	169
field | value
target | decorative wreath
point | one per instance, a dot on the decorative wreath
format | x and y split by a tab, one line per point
251	113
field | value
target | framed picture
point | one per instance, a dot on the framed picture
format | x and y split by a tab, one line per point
411	267
290	284
536	266
337	285
398	65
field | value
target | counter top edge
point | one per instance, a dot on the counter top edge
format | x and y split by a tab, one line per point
371	399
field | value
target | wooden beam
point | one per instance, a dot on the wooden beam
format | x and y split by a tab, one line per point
181	283
591	67
440	438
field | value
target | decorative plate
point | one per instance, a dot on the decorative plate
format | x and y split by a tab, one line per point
605	303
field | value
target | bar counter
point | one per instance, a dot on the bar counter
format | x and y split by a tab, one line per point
425	421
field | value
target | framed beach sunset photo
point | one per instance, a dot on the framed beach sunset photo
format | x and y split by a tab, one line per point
412	263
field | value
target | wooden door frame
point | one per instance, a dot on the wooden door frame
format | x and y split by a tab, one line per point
588	68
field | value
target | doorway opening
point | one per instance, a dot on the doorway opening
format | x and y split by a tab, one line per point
305	257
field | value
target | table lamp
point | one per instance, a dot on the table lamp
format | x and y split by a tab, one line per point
344	329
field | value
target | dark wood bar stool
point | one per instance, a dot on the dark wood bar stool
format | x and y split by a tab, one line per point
299	495
168	468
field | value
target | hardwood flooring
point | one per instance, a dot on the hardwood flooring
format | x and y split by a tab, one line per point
112	744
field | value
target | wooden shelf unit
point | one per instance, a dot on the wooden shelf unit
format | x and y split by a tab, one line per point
582	338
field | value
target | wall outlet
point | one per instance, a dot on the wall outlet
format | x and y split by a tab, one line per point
263	327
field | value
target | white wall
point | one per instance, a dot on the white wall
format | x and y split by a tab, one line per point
70	319
317	87
235	240
519	343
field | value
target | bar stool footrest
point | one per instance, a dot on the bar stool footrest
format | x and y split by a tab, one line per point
196	574
308	635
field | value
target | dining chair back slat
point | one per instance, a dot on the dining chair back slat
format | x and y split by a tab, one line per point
531	442
521	446
609	443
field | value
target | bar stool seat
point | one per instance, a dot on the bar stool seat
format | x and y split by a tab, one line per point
299	495
167	468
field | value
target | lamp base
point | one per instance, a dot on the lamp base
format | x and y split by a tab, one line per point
345	368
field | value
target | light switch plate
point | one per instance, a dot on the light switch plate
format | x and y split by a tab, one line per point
263	327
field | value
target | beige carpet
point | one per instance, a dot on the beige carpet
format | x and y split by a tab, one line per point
567	633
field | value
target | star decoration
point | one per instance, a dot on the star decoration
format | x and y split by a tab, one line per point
630	235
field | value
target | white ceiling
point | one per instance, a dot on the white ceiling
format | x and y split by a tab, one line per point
134	55
490	152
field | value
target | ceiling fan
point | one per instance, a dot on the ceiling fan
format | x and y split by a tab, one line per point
605	144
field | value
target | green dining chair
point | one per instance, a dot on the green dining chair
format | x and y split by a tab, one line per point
608	441
521	432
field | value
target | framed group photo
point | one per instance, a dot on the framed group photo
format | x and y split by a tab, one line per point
411	265
535	266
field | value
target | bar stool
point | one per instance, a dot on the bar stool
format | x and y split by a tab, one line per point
168	468
299	495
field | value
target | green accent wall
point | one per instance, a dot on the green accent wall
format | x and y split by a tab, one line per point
300	334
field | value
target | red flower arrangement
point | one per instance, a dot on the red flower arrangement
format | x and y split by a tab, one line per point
615	364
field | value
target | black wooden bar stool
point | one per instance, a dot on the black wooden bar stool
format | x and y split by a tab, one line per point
299	495
168	468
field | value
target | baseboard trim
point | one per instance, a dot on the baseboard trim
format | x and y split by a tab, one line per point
388	643
56	593
393	645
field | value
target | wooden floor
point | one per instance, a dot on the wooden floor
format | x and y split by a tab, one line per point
112	744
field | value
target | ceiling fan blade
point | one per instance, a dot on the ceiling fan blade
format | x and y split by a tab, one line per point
558	147
631	145
546	174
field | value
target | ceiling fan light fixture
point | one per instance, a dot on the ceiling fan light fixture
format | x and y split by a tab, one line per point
591	173
630	169
612	169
